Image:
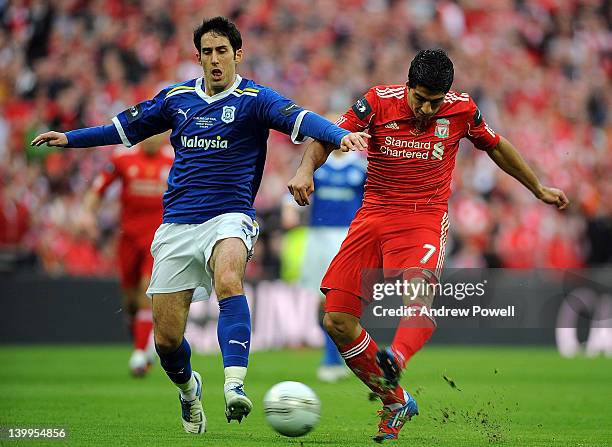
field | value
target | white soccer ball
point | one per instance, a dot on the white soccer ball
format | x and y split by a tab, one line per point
292	408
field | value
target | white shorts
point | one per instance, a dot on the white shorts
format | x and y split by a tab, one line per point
322	244
181	252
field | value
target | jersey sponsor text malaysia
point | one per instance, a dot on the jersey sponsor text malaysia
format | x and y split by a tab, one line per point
407	165
219	143
143	180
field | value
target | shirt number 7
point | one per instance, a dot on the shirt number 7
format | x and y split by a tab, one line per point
431	249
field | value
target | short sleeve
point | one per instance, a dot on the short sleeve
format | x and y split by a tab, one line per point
478	131
360	115
142	121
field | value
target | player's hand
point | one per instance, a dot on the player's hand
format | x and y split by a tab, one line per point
355	141
554	196
52	138
301	186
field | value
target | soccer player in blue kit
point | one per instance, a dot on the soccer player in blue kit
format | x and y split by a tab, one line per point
220	125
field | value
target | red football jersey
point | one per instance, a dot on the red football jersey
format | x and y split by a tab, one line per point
407	166
144	180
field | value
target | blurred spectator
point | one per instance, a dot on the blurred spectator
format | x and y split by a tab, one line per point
539	69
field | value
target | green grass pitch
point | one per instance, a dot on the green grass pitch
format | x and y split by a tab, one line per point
501	397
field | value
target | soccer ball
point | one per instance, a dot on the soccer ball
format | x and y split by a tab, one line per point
292	408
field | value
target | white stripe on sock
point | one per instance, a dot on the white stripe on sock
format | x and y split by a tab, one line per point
357	349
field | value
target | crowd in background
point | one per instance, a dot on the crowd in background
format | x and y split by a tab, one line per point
539	70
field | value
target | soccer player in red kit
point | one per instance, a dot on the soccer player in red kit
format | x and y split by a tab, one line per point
402	226
143	173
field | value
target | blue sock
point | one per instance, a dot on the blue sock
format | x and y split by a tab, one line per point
234	330
177	364
332	355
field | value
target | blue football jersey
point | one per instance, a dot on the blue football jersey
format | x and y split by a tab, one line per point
220	143
338	191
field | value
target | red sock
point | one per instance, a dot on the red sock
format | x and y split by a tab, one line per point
143	324
360	356
411	335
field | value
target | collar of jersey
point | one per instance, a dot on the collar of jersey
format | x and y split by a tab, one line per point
218	96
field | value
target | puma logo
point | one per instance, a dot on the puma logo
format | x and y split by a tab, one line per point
183	112
241	343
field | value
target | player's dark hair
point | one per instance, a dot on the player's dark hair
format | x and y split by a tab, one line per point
431	69
221	26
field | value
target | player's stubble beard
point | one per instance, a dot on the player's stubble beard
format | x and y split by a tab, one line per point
421	123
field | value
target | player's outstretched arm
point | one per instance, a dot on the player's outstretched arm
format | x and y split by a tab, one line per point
509	160
86	137
302	183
